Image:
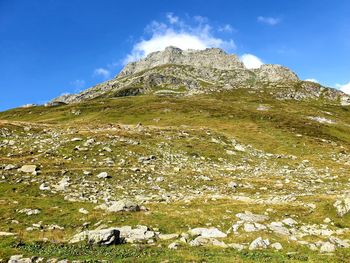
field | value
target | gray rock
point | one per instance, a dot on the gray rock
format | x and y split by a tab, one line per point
259	243
327	247
173	245
278	228
342	206
19	259
44	187
207	232
6	234
289	222
9	167
29	211
29	168
100	237
250	217
277	246
103	175
119	206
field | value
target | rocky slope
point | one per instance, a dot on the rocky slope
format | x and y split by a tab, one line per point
178	72
232	165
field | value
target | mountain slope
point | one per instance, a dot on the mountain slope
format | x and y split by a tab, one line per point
257	172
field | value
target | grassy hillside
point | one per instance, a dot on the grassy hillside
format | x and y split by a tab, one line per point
215	156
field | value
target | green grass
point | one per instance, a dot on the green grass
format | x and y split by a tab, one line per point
282	130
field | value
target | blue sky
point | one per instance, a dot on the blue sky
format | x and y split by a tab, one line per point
63	46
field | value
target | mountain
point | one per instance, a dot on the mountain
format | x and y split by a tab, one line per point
184	156
188	72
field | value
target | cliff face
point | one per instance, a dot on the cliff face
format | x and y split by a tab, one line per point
188	72
211	58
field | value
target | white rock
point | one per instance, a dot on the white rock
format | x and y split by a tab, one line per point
250	217
83	211
76	139
102	175
289	222
259	243
327	220
44	187
6	234
342	206
101	237
29	211
207	232
327	247
29	168
276	246
121	205
173	245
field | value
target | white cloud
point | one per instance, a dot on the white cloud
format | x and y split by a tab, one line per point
172	19
105	73
226	28
250	61
269	20
312	80
344	87
176	32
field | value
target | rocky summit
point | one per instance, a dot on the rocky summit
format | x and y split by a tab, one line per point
184	156
188	72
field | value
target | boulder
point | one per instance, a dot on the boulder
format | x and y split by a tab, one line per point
342	206
19	259
207	232
327	247
250	217
259	243
277	246
29	211
119	206
103	175
29	168
103	237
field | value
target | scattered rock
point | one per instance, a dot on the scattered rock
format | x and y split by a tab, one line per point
259	243
277	246
29	168
173	245
250	217
29	211
327	247
103	175
6	234
119	206
100	237
83	211
342	206
207	232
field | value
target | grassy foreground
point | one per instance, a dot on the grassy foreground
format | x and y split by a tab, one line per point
286	164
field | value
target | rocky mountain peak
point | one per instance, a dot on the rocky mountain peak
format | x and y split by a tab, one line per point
187	72
211	58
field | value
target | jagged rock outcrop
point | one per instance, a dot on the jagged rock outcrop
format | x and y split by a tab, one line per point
187	72
275	73
211	58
